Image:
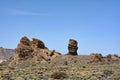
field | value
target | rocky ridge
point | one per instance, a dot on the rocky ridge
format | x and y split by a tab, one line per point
34	61
6	54
34	49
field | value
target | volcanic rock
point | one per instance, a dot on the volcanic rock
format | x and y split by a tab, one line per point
34	49
72	47
36	43
96	57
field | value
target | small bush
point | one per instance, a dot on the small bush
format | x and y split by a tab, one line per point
59	75
116	76
83	66
65	63
93	78
107	73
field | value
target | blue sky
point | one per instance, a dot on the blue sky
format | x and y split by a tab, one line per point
95	24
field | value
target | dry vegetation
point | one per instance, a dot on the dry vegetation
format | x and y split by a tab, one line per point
64	68
34	61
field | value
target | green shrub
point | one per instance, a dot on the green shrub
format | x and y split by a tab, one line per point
93	78
59	75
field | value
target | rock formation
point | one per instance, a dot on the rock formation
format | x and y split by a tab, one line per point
116	57
36	43
109	57
34	49
96	57
24	50
72	47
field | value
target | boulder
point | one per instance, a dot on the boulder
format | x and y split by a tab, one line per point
72	47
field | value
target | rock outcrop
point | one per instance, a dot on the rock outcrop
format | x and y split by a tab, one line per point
24	49
96	57
116	57
72	47
34	49
109	57
36	43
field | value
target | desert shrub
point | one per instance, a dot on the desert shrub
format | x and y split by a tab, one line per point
107	73
116	76
19	78
59	75
65	63
93	78
83	66
6	77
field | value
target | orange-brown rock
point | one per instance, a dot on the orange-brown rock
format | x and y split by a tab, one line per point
24	50
36	43
34	49
96	57
72	47
116	57
25	41
45	54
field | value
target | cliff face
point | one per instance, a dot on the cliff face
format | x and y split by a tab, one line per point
6	53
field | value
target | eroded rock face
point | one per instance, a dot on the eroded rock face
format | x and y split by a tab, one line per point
24	41
72	47
96	57
45	54
24	50
36	43
34	49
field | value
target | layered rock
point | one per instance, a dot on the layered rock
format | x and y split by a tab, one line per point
36	43
34	49
24	50
72	47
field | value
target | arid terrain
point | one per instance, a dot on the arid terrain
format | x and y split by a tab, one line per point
34	61
64	68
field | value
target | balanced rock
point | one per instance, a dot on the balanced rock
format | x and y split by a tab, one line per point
72	47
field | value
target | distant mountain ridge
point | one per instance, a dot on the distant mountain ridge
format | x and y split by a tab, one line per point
6	53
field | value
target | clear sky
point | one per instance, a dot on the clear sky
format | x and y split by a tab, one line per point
95	24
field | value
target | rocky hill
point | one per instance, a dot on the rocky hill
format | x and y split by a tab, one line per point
6	53
34	61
